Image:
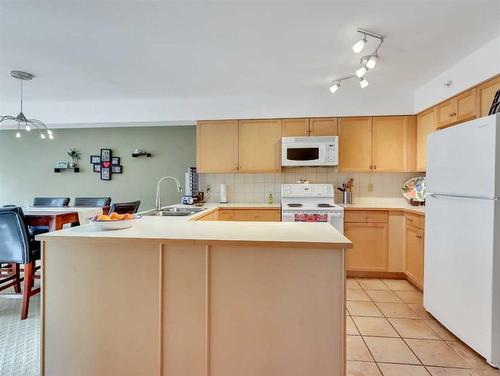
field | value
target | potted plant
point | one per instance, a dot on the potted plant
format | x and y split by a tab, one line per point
75	156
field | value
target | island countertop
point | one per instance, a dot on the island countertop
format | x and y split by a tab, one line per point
161	228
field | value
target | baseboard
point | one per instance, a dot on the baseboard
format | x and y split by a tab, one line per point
375	274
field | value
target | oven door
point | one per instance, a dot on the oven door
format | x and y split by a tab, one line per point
303	154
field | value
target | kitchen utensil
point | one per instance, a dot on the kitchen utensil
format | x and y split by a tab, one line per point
347	197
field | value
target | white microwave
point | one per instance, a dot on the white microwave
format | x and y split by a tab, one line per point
310	151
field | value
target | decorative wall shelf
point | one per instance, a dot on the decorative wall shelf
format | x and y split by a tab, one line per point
59	170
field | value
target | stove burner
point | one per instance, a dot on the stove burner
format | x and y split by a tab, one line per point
325	206
295	205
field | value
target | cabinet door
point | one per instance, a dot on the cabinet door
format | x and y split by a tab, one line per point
258	215
415	255
390	146
447	113
217	146
355	144
466	105
294	127
259	145
226	215
323	127
214	216
426	124
370	250
485	94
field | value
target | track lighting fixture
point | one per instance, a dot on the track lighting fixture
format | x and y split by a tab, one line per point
367	62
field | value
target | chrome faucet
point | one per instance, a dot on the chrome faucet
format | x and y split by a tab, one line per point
158	190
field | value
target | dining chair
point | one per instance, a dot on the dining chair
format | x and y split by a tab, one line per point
125	207
92	202
54	202
17	248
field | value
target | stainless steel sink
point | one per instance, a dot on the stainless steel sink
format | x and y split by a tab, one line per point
173	212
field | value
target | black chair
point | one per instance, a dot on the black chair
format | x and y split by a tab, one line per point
125	207
92	202
54	202
17	247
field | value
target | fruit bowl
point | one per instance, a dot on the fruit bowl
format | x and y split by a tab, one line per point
114	221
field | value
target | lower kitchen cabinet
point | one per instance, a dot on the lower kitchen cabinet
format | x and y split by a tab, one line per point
370	246
213	216
255	215
414	250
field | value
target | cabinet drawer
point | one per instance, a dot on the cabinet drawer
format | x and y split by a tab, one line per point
226	214
264	215
371	216
415	220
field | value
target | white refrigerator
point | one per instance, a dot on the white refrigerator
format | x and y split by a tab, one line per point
462	233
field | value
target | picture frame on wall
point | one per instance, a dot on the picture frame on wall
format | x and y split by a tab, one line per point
115	160
105	173
116	169
95	159
105	155
97	168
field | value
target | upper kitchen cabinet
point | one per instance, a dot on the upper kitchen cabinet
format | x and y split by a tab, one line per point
355	144
394	140
217	146
294	127
485	94
323	127
259	146
457	109
426	124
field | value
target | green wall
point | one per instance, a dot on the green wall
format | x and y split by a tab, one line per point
27	164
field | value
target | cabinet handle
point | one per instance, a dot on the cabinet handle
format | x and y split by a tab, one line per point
374	167
410	220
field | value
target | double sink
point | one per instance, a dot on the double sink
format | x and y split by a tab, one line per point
173	212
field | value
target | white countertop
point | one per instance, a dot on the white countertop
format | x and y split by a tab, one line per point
383	203
320	235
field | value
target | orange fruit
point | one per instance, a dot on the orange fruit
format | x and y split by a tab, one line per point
128	216
104	217
115	216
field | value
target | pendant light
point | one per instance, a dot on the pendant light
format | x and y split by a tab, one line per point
21	119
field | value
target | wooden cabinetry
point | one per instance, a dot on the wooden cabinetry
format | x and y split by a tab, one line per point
323	127
394	143
256	215
426	124
414	249
485	94
212	216
457	109
368	232
217	146
355	144
309	127
259	146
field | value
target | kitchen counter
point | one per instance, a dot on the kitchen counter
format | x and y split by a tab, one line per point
385	204
181	297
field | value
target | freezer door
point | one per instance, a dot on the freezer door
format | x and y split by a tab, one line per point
463	159
458	277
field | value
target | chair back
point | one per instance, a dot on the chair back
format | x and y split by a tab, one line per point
14	241
125	207
92	202
55	202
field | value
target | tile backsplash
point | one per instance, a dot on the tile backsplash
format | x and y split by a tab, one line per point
256	187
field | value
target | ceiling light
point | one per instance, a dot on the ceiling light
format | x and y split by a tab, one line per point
42	135
21	119
363	83
361	72
359	45
372	61
334	87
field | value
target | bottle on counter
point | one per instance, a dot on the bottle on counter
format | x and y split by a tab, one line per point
270	198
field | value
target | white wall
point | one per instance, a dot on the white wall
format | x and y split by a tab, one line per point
478	66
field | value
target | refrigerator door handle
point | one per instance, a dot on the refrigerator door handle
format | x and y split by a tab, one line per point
461	196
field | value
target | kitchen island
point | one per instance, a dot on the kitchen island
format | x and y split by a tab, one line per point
171	296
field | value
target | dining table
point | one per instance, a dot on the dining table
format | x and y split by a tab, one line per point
56	217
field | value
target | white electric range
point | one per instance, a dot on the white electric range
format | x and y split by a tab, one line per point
311	203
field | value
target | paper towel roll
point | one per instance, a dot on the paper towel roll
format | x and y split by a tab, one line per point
223	193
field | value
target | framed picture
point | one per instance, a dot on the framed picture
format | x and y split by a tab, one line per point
95	159
105	155
116	169
105	173
62	164
115	160
97	168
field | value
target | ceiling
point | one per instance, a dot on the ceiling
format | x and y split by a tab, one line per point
194	53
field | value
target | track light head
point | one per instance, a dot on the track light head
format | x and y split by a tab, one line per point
372	61
361	72
359	45
363	83
334	87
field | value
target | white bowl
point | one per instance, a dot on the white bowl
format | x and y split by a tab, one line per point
115	225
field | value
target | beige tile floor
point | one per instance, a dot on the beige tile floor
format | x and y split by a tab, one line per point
389	333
